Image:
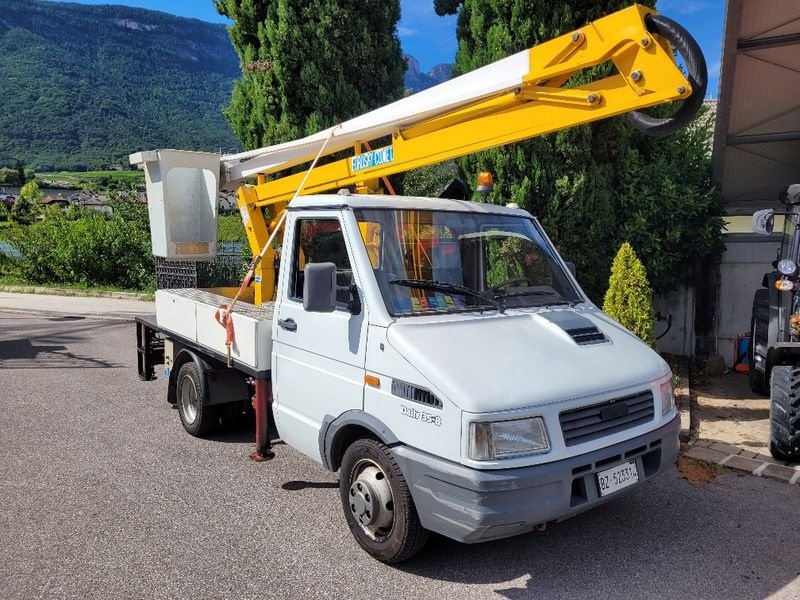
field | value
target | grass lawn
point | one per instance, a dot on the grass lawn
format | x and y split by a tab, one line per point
78	178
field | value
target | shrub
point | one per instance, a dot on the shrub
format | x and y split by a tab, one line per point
629	299
26	208
87	248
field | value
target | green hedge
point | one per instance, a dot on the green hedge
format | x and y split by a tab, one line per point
88	248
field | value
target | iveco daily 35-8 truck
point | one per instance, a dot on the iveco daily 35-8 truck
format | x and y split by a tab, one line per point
438	353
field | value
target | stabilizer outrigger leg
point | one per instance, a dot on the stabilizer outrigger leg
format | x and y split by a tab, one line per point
261	401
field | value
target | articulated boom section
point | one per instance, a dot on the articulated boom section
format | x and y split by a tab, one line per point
514	99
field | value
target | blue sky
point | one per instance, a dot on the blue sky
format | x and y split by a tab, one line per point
432	40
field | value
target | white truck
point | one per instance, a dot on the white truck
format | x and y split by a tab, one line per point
438	353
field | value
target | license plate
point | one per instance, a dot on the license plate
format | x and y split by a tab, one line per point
618	477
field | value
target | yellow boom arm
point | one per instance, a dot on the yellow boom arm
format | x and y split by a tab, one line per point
635	40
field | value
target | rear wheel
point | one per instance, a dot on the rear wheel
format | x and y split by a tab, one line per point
197	415
784	413
756	378
377	503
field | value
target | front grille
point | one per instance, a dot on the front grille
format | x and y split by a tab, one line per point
581	425
409	391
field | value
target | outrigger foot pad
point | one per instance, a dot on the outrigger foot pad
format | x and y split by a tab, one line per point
262	456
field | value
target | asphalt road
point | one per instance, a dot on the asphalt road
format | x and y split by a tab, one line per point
102	495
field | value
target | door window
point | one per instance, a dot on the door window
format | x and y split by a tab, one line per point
317	241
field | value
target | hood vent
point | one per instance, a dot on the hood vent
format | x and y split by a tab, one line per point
579	328
587	335
409	391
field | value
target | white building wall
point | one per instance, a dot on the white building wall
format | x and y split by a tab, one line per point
747	258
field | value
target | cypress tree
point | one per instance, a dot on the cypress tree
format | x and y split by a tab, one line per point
595	185
629	299
309	65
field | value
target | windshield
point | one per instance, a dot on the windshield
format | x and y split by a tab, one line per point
435	261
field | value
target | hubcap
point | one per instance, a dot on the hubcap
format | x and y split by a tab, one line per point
189	399
371	501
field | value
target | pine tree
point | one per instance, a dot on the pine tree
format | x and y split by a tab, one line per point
595	185
629	299
309	65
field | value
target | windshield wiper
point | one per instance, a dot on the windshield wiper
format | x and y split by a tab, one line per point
561	299
448	288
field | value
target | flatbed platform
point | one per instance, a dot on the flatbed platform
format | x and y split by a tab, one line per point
187	316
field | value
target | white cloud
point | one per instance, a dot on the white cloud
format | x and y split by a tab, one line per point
404	31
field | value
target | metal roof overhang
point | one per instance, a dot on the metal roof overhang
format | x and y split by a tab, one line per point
757	131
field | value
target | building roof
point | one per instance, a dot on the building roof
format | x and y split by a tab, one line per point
757	132
53	200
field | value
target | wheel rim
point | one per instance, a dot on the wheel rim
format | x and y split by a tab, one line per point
188	399
370	500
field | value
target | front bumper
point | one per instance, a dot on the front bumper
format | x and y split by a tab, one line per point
470	505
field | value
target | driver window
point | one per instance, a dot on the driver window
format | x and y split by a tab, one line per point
316	241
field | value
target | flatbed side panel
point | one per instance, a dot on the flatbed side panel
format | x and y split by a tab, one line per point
200	349
191	314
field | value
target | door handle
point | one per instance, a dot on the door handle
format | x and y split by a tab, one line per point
288	324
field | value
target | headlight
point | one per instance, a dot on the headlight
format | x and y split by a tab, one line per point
667	397
787	267
504	439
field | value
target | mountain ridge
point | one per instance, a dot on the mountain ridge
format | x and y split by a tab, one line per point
86	85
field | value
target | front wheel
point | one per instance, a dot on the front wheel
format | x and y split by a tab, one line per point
784	413
377	503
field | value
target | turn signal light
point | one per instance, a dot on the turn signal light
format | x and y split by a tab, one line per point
372	381
784	285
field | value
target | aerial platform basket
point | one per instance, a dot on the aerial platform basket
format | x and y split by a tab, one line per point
182	196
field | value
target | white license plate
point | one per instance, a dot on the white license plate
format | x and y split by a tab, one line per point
618	477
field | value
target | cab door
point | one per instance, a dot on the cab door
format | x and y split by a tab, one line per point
318	358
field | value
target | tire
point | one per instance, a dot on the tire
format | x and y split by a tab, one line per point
198	417
784	413
759	324
377	503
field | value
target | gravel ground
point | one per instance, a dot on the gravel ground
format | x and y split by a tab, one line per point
728	411
102	495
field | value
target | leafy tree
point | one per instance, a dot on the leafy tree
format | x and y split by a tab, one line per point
310	65
431	180
596	185
26	207
629	299
20	169
9	177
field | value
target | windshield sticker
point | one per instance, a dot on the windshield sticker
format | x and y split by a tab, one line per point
420	415
373	158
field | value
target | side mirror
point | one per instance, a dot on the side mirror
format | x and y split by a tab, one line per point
764	221
570	266
319	287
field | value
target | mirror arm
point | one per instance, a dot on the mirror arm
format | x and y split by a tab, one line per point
354	306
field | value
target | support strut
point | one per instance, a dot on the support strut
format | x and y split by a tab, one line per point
260	404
